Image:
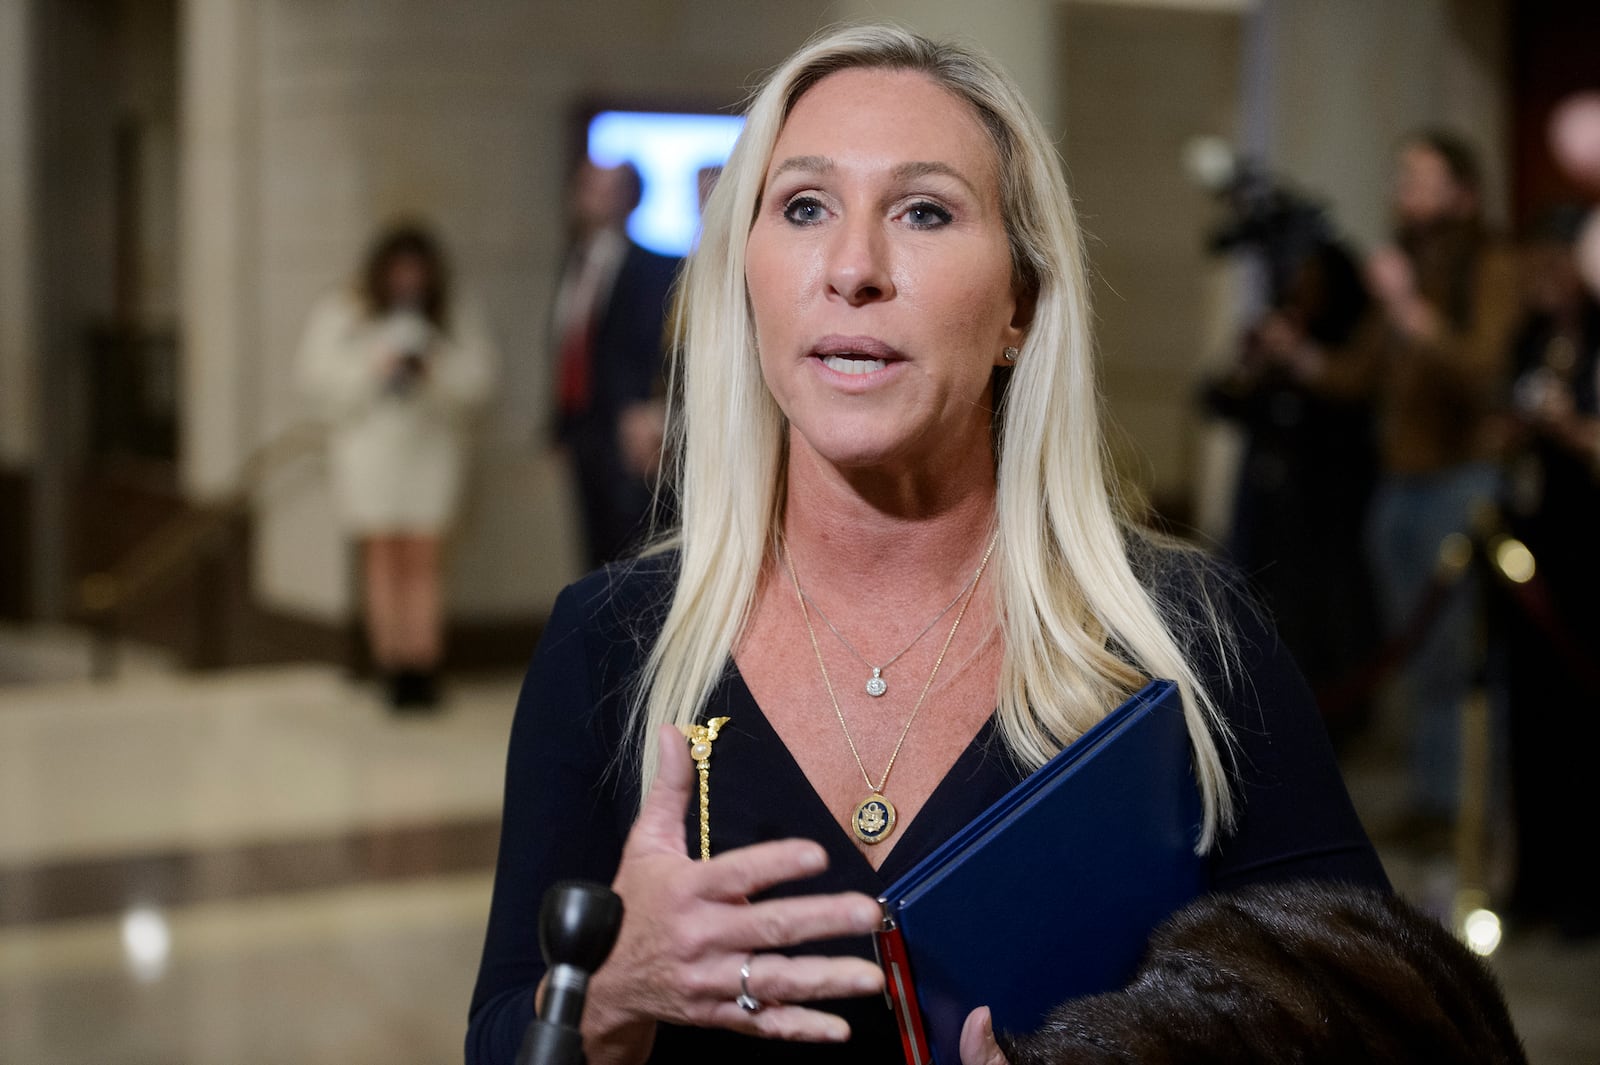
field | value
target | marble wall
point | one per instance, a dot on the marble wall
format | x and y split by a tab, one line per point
1140	82
338	116
328	118
302	125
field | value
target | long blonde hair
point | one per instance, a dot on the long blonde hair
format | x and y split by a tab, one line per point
1081	631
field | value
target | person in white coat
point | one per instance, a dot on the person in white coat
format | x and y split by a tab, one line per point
397	369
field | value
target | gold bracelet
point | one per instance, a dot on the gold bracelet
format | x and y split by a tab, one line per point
701	737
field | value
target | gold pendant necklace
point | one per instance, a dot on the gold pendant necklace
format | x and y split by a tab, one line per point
874	817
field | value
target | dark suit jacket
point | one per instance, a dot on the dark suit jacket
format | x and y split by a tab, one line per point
629	344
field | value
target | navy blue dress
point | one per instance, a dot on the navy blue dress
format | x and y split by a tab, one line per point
569	804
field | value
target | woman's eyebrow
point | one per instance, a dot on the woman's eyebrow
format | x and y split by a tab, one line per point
816	164
912	171
903	172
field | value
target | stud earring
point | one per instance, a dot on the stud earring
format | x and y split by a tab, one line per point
1011	354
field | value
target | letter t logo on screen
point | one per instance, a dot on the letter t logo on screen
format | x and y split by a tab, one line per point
674	154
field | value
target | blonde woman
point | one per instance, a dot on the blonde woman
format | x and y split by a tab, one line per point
899	577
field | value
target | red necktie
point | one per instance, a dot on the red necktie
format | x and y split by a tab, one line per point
576	385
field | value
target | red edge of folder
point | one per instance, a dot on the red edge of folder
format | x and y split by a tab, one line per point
902	995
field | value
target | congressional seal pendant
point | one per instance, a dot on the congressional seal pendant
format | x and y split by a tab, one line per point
873	819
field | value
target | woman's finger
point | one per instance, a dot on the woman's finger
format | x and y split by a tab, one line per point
978	1046
795	1024
803	919
777	979
660	825
745	871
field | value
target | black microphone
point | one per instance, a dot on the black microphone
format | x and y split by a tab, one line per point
578	924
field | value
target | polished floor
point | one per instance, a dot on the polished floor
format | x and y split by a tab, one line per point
266	866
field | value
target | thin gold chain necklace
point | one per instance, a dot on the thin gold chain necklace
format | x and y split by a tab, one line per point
878	684
874	817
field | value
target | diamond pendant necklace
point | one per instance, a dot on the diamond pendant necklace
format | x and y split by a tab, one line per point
877	684
874	817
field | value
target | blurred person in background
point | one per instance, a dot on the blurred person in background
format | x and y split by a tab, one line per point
396	367
1448	299
1575	142
1553	505
1304	399
610	318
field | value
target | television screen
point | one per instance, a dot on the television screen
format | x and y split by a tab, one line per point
676	156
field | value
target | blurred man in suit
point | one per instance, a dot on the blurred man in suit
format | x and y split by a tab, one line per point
609	338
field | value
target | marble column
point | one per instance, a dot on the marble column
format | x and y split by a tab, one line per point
1019	34
18	310
23	583
218	303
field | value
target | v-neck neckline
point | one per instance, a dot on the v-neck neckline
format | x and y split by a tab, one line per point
940	815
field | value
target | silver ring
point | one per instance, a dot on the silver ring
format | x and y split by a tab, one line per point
747	1002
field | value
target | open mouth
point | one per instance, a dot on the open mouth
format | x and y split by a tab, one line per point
854	356
853	363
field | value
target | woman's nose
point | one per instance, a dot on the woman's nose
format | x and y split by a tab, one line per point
858	263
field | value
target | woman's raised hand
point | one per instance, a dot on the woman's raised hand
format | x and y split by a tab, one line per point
688	928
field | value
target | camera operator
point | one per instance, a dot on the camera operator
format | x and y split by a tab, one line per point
1302	393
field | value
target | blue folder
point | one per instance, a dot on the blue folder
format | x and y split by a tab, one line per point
1052	892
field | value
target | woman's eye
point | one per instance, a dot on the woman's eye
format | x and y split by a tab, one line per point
926	215
803	210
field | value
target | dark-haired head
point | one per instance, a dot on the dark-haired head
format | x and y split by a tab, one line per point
604	196
1313	974
1458	155
1558	224
1551	282
1439	179
405	268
